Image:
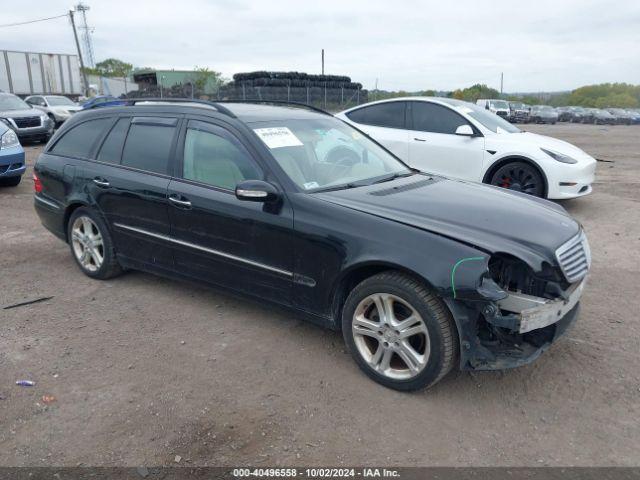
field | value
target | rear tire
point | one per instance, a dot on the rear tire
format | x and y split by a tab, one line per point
521	177
413	344
10	181
91	244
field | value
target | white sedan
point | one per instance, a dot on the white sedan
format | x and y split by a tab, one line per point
460	140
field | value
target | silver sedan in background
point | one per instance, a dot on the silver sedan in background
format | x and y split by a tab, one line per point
57	107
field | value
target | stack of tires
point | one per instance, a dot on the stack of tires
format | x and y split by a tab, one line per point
322	90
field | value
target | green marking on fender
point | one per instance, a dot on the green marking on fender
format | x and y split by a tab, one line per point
453	271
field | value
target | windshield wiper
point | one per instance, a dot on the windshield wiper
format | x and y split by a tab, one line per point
345	186
393	177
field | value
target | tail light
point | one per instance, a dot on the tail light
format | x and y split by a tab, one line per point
37	184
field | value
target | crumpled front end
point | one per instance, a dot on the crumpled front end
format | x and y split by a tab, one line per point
515	313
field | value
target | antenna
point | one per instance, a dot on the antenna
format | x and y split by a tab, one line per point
86	35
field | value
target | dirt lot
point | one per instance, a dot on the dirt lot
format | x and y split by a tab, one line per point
144	369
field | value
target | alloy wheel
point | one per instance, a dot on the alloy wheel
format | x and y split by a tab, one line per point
519	177
391	336
88	246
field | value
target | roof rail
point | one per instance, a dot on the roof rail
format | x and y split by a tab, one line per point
220	108
281	102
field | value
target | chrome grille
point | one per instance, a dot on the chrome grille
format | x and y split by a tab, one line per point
574	258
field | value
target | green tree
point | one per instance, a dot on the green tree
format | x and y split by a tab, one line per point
474	92
203	77
112	67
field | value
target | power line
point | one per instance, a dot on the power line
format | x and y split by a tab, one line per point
32	21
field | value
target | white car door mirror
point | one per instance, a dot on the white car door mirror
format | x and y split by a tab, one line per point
465	130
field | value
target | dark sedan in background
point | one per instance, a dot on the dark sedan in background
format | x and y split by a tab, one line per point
27	122
543	114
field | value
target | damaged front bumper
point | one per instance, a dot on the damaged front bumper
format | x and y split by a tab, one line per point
513	331
525	313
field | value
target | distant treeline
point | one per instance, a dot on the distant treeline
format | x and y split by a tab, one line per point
621	95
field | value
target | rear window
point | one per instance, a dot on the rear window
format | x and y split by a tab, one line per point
148	144
389	114
79	141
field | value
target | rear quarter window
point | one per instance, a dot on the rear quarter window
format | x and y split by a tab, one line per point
80	140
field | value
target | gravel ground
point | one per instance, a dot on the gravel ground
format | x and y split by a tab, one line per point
143	368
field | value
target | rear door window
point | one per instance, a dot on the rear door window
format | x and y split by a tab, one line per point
79	141
429	117
148	144
111	150
388	114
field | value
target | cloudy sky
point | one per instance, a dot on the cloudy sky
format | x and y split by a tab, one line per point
412	45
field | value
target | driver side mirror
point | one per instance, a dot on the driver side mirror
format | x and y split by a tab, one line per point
465	131
257	191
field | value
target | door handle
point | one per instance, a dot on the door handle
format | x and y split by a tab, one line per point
178	202
101	182
419	139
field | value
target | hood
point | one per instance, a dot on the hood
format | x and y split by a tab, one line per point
27	112
66	108
490	218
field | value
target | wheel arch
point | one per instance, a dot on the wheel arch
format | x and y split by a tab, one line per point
493	168
68	211
357	273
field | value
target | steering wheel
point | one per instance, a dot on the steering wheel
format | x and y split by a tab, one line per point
341	157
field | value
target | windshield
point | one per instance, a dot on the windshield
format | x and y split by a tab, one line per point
517	106
499	104
318	154
9	102
60	101
489	120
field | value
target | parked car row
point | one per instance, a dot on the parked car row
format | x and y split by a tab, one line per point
518	112
422	273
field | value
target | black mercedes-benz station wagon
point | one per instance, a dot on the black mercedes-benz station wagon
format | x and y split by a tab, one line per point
289	205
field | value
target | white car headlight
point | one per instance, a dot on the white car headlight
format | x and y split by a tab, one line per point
559	156
9	139
43	119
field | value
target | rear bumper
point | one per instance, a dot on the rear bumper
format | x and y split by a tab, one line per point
12	162
51	215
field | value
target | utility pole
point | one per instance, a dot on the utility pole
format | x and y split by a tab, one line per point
323	61
501	81
75	35
86	36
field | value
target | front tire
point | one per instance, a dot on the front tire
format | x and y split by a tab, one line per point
521	177
91	245
399	332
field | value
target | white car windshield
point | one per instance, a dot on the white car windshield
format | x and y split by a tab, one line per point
488	119
10	102
60	101
499	104
320	154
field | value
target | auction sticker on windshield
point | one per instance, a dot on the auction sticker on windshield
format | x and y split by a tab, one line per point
276	137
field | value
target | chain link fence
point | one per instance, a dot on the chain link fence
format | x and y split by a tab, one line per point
329	92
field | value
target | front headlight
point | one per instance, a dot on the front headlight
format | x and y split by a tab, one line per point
43	119
9	139
559	156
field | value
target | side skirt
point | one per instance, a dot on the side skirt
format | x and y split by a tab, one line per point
129	263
